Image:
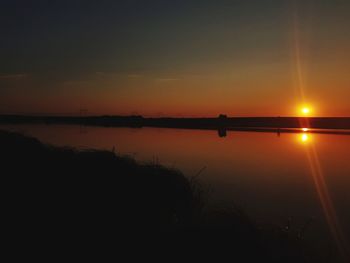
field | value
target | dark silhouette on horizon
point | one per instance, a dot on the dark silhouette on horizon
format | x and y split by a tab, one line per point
222	122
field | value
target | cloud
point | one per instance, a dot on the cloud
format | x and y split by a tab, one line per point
134	76
13	76
76	82
113	74
103	74
167	79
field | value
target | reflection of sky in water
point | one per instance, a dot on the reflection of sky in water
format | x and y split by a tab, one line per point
270	176
304	137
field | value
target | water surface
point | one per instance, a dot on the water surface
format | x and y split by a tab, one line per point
273	177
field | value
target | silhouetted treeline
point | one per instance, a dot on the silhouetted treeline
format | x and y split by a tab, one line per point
192	123
62	195
126	121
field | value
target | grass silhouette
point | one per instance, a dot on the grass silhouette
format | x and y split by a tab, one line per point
66	194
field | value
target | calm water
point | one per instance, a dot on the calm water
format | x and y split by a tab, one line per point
304	176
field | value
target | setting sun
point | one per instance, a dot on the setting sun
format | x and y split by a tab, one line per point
305	110
208	117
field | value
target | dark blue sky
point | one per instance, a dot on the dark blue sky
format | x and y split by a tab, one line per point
125	35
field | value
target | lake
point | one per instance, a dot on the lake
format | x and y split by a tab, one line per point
303	177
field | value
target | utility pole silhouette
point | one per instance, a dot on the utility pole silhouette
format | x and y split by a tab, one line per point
82	113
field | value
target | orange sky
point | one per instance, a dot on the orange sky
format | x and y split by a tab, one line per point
178	60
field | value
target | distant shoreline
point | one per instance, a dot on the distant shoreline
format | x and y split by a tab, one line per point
222	122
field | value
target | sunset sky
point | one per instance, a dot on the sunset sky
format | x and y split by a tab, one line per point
175	58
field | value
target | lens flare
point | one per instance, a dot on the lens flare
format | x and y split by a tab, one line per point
323	193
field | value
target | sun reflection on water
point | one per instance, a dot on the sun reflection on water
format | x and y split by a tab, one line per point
304	137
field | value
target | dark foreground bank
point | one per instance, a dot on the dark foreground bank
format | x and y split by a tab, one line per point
61	195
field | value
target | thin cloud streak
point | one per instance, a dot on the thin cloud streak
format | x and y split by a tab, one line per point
13	76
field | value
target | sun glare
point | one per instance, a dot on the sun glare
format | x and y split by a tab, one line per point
304	138
305	110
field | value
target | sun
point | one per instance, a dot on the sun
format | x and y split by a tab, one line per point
305	110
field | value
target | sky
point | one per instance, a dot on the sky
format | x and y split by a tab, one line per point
175	58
